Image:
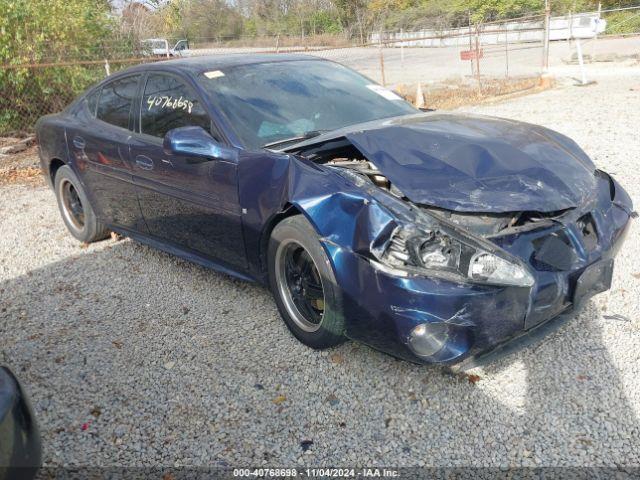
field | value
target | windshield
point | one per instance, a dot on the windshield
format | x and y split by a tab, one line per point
181	45
272	102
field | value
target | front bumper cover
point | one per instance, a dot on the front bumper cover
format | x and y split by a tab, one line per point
382	309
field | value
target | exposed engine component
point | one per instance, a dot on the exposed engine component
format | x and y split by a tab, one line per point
365	167
485	225
488	224
342	154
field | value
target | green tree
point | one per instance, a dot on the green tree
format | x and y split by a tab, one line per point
354	16
324	21
488	10
48	31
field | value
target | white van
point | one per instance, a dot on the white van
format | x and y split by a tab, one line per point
159	47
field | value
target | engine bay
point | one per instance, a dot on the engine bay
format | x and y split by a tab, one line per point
341	154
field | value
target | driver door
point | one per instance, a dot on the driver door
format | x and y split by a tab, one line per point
186	201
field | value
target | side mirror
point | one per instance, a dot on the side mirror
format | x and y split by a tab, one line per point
196	142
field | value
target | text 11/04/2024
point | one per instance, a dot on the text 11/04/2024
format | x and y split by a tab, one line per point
316	472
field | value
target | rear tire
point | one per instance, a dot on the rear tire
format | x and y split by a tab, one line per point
303	284
76	211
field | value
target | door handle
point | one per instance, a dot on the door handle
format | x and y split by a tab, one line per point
79	142
144	162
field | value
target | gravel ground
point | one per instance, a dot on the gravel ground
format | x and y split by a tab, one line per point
427	65
133	357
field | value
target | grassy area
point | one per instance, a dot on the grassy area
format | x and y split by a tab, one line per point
457	93
282	41
619	23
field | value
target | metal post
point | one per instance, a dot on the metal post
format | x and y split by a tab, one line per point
278	44
545	49
402	49
598	24
107	68
478	52
570	27
384	82
595	38
506	48
581	62
470	45
419	97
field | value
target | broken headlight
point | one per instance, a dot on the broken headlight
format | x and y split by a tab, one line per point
443	253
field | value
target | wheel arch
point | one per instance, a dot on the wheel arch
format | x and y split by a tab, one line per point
287	211
54	166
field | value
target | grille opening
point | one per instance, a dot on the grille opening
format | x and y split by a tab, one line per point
588	231
553	253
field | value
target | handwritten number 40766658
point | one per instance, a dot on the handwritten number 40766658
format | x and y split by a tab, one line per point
165	101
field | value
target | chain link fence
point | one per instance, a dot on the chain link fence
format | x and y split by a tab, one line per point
497	54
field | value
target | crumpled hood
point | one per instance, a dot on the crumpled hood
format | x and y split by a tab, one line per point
478	164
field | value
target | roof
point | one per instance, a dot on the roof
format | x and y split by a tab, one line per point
205	63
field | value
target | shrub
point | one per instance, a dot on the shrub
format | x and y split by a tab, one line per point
47	31
623	22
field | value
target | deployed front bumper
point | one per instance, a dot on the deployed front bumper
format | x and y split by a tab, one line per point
382	309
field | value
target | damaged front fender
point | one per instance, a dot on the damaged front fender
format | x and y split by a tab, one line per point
355	220
352	221
342	213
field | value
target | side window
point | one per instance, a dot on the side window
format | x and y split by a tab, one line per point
115	101
168	103
91	102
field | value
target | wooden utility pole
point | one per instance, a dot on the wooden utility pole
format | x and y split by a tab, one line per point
402	49
470	44
478	52
599	15
545	47
384	82
506	49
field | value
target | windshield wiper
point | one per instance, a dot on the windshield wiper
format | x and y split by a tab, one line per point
304	136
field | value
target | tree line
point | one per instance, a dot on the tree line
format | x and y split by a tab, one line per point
225	19
77	36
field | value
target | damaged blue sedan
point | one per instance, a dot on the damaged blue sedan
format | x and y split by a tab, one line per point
433	237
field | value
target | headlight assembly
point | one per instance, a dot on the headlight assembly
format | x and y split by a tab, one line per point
488	268
440	251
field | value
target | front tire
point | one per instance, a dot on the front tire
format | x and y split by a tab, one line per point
76	211
303	284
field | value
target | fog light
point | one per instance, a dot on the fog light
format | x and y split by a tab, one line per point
428	339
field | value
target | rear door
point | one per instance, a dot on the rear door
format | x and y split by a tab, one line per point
191	202
99	144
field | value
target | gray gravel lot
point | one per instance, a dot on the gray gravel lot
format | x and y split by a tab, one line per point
133	357
428	65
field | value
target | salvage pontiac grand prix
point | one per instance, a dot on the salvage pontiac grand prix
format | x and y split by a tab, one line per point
433	237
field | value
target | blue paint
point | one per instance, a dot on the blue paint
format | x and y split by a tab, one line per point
215	202
476	164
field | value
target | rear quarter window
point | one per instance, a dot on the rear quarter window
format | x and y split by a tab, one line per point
116	99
